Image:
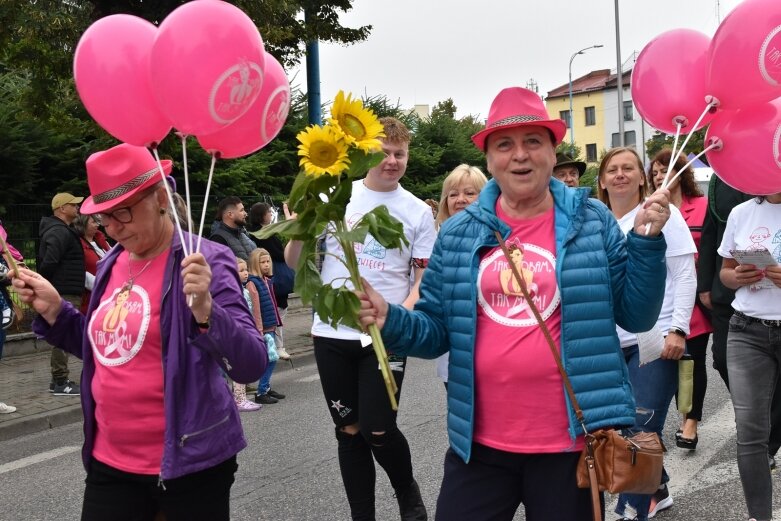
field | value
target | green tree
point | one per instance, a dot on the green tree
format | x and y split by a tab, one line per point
659	141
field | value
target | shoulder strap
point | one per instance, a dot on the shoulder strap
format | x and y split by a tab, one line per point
545	332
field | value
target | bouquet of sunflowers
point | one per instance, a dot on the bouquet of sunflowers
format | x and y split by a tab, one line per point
332	157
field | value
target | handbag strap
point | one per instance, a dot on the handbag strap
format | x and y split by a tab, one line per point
545	332
590	462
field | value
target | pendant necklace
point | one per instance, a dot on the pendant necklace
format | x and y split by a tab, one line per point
130	277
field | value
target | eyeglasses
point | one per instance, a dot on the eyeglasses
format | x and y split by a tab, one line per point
122	215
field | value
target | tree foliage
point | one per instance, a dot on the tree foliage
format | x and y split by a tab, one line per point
659	141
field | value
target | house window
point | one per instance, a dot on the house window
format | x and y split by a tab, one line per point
591	152
591	116
630	139
629	111
564	114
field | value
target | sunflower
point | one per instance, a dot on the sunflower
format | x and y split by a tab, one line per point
360	126
323	151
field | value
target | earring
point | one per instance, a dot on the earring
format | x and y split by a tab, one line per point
162	211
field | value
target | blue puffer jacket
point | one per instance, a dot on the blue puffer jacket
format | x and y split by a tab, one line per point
604	278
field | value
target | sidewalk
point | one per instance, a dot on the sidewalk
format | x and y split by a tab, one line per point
24	382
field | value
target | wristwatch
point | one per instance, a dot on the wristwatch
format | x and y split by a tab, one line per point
677	331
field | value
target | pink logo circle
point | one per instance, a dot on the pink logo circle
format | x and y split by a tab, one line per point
234	92
770	58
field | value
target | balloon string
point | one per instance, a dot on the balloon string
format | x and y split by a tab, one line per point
183	137
687	165
170	200
673	154
666	183
205	202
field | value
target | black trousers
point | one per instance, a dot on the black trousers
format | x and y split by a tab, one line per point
114	495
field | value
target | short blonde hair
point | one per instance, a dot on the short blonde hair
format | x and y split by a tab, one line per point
462	174
602	194
254	262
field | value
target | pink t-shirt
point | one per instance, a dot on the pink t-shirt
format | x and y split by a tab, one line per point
519	395
124	332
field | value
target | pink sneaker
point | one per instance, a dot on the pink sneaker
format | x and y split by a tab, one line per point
247	405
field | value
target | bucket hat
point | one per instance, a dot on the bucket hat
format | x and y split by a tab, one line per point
517	107
565	160
117	174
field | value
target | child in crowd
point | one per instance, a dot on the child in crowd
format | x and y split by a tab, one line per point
240	390
260	268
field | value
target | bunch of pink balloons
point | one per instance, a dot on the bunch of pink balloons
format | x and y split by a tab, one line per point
204	72
682	73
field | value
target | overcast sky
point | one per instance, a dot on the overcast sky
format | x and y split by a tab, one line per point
425	51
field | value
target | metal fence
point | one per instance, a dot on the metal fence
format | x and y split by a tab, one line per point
22	221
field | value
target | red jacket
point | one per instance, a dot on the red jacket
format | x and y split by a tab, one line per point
693	210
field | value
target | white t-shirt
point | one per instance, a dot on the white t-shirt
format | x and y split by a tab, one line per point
679	243
388	271
753	226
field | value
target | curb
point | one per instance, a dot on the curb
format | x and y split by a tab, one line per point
41	422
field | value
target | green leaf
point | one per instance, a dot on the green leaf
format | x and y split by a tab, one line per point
308	280
386	229
361	162
297	198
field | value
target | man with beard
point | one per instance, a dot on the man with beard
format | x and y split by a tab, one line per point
228	229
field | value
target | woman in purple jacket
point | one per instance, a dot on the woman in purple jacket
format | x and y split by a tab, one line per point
160	425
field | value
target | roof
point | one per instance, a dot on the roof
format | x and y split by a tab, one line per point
594	81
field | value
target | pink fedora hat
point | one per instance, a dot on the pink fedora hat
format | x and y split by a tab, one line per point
517	107
116	174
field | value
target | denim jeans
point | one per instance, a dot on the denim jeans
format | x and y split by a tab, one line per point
264	384
753	356
653	385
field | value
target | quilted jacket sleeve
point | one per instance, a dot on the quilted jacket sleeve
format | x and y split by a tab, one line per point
637	272
420	332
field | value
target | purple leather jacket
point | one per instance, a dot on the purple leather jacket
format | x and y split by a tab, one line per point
202	426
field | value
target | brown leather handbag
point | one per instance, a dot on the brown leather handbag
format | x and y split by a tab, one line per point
610	461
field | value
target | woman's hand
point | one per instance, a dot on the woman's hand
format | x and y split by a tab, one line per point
288	214
654	214
37	292
674	347
774	274
197	276
734	275
374	308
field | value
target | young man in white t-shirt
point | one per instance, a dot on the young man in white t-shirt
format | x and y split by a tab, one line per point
366	427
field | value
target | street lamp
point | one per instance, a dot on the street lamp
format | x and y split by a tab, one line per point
571	123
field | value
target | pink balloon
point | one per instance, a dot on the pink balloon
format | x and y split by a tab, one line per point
207	66
750	157
260	124
111	71
668	80
744	59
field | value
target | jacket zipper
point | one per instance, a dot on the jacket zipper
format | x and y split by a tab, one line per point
186	437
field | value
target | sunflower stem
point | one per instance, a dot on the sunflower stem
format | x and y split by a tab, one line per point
351	261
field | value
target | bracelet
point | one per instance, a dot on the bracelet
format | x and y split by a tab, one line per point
204	324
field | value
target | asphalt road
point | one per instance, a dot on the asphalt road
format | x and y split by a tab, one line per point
290	472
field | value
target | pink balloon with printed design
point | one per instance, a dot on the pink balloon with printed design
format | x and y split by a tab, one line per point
111	72
207	66
750	156
668	80
260	124
744	58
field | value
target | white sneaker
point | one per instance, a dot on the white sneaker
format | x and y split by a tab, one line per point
282	353
6	409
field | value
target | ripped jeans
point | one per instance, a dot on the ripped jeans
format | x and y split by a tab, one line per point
654	386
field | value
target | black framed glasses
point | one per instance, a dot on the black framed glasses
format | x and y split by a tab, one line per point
122	215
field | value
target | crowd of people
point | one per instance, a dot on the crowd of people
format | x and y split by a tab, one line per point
495	274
